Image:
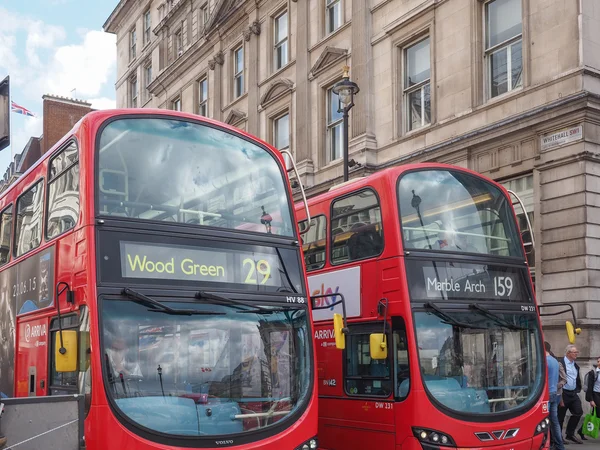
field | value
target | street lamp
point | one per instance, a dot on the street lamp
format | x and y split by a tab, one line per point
345	90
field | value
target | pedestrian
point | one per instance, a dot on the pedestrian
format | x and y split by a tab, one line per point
554	382
570	396
592	393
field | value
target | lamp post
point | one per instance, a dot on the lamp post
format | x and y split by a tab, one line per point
345	90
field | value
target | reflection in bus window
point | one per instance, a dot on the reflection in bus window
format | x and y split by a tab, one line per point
218	374
480	366
356	228
365	376
454	211
63	187
314	242
28	230
402	362
208	177
5	234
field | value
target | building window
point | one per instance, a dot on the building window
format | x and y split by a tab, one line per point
281	135
132	45
335	139
147	26
178	41
63	195
238	72
417	84
133	87
281	40
176	104
147	79
203	97
503	44
333	13
204	14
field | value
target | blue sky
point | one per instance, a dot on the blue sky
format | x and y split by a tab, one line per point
53	47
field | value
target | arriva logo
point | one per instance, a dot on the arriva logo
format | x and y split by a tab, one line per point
326	301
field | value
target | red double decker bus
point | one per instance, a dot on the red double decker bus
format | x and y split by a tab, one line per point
442	346
151	262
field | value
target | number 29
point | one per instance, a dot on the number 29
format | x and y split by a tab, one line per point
261	267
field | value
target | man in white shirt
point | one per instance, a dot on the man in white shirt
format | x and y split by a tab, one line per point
570	396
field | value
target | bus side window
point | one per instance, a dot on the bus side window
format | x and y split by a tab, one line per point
314	242
401	359
30	209
63	186
5	234
356	226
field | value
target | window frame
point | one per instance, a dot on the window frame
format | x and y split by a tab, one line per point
331	125
408	90
11	234
178	43
202	101
133	94
238	74
325	253
147	79
176	101
329	9
42	181
204	15
363	329
132	44
65	326
57	153
283	42
147	20
488	52
331	218
275	122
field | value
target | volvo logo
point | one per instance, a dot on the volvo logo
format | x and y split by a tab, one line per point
484	436
227	442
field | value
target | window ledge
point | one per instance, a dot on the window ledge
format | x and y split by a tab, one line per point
331	35
234	102
503	97
277	73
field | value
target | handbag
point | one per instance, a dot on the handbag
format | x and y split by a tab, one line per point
591	423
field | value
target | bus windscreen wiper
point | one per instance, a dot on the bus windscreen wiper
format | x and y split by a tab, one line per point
156	306
448	318
495	317
222	300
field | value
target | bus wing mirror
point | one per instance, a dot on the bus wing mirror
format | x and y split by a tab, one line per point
338	331
66	356
378	346
572	332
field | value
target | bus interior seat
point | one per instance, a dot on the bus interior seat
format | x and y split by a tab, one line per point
365	242
377	369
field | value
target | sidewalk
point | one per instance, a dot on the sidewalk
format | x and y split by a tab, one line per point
590	444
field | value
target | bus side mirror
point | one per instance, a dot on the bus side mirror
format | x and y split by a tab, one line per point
66	361
378	346
338	331
572	332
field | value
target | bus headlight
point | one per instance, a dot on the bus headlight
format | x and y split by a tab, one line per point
543	426
433	437
311	444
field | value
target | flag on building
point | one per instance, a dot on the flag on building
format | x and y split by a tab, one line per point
20	110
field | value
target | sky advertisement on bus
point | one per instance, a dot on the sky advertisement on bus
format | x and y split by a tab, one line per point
345	282
24	287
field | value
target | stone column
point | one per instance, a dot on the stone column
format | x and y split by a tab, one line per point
252	37
302	111
361	70
216	65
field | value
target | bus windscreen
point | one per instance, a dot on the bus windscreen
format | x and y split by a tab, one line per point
454	211
208	177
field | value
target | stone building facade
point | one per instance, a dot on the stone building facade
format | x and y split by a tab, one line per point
509	88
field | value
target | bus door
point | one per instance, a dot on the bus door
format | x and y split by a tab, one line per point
366	414
32	358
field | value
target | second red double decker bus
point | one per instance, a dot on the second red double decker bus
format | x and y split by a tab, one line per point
443	345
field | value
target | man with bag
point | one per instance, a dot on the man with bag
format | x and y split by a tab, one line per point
592	395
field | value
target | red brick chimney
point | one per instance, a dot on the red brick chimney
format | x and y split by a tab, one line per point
60	114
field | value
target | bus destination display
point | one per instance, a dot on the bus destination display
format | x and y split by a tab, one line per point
221	265
450	280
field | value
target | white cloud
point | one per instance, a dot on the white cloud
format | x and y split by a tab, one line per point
103	103
84	67
21	135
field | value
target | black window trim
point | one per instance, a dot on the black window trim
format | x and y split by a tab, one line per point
56	154
330	236
41	180
65	326
367	329
326	243
11	235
